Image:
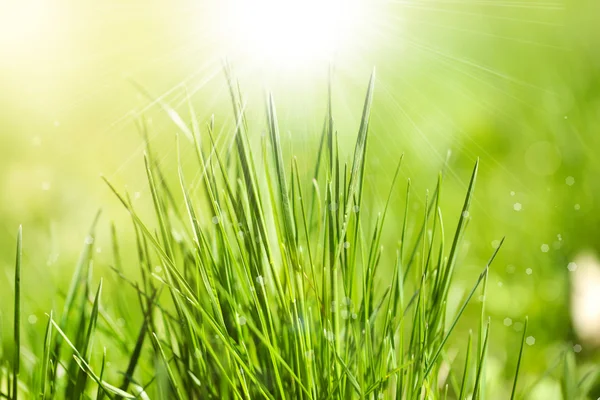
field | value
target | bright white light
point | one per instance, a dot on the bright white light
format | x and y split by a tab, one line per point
23	24
292	32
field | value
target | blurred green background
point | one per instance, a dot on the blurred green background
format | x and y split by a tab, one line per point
516	83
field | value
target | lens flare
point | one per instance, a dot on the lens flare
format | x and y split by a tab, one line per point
292	32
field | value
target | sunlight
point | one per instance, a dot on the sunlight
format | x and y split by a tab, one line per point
22	25
292	33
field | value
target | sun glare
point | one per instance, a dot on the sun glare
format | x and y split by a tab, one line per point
292	32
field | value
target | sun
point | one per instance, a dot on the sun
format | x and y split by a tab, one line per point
291	33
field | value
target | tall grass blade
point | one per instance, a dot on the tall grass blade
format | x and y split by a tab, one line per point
17	316
514	388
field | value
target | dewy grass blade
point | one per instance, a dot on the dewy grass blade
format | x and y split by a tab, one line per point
46	358
481	363
17	315
359	152
80	270
465	378
172	378
100	393
88	343
514	388
288	218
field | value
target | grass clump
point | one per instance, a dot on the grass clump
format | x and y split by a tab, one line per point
270	286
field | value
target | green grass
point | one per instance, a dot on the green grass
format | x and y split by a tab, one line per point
257	281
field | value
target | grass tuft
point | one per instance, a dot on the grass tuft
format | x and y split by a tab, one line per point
257	281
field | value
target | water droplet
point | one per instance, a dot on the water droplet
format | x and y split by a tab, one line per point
529	271
215	220
88	240
346	245
517	207
577	207
242	320
512	193
260	280
530	340
465	214
545	248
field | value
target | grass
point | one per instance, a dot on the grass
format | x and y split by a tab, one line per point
265	283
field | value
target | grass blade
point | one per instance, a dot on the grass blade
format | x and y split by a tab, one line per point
46	358
17	315
514	388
